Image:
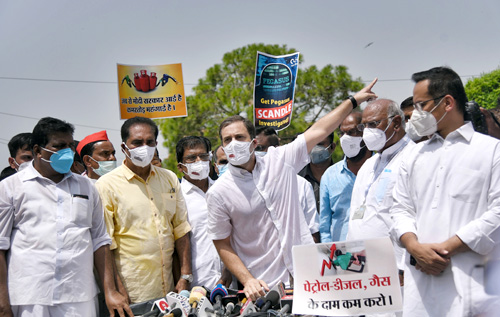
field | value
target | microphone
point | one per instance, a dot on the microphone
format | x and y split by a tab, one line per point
272	299
185	293
152	313
197	293
176	312
216	296
229	303
284	310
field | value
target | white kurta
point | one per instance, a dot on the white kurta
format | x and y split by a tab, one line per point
205	261
450	187
373	191
261	212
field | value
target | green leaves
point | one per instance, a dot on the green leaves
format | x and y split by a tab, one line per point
485	90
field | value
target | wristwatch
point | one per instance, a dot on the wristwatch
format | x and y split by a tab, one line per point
187	277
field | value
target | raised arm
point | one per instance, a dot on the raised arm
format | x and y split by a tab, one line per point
331	121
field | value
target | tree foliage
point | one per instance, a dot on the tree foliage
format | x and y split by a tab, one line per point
485	90
227	89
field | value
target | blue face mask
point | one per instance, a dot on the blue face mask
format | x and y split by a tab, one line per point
61	160
222	168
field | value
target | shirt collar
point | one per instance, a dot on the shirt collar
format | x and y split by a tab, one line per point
395	148
190	185
129	174
241	172
344	164
29	172
466	131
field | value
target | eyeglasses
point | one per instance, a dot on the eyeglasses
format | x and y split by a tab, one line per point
203	157
421	104
372	124
352	132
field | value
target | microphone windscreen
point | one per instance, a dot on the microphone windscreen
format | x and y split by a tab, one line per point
273	297
219	290
184	293
197	293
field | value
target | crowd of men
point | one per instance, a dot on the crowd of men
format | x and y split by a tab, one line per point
73	221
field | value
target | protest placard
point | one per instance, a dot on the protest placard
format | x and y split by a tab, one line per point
348	278
274	89
151	91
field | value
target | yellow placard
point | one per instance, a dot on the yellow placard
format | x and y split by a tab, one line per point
151	91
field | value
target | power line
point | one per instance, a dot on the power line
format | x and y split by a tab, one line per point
67	80
409	79
79	125
188	84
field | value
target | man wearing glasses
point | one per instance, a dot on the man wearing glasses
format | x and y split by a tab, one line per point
383	129
338	181
194	157
447	203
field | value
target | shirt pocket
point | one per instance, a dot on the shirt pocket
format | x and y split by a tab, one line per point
466	185
385	184
169	204
81	214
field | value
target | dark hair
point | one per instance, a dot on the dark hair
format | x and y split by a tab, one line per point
18	142
125	130
407	103
248	124
271	135
215	152
48	126
77	157
6	172
190	142
443	81
88	149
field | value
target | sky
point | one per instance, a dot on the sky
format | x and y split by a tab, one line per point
58	58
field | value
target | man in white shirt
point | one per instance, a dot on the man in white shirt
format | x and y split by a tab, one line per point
383	129
52	225
193	157
447	203
254	215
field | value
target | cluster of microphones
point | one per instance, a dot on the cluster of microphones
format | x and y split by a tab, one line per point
218	302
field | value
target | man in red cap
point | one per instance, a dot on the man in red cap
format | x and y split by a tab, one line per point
98	154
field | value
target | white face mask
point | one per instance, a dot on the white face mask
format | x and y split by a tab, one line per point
141	156
411	132
238	152
198	170
260	153
424	122
104	166
375	138
351	145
